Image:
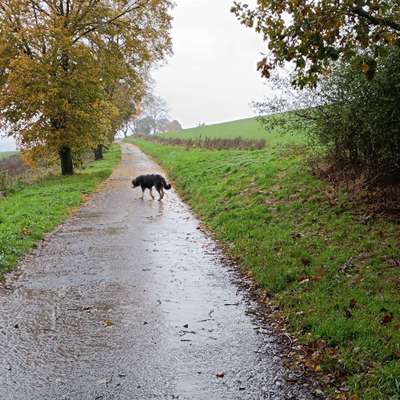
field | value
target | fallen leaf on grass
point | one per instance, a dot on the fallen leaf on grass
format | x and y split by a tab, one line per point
387	318
107	322
317	368
26	232
353	303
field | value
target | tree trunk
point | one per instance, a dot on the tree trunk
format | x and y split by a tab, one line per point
65	154
98	153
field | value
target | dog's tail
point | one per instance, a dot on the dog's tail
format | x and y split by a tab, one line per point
166	186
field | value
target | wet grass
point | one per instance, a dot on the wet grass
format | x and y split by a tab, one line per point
335	273
34	210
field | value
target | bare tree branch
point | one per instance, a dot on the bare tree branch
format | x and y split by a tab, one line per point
138	5
360	12
38	8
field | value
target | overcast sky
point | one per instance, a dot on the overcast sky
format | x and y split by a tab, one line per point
212	75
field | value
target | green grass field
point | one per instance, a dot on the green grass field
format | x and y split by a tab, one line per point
246	128
6	154
335	274
32	211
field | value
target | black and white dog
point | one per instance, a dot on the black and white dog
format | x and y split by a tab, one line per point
148	181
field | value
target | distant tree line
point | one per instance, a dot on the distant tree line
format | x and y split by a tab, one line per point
153	118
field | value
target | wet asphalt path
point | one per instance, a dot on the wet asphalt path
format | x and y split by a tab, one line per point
128	300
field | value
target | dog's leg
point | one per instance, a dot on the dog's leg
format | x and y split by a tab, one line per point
143	189
161	193
151	193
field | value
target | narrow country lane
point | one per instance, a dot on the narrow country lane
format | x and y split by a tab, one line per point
128	300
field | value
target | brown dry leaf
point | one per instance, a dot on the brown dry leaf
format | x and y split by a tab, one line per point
364	68
387	318
26	231
107	322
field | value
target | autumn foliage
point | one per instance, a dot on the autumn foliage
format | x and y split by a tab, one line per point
73	70
314	34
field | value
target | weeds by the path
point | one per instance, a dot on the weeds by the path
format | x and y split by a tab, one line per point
32	211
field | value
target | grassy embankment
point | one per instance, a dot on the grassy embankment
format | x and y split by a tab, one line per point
6	154
335	274
33	210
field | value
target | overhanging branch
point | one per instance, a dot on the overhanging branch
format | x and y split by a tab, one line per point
373	20
128	10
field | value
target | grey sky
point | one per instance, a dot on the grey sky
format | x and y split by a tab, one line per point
6	144
212	76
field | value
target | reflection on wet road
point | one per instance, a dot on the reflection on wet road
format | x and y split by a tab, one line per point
128	300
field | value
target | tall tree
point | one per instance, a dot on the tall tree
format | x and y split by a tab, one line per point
156	110
312	33
62	61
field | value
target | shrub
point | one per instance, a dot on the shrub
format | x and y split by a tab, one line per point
237	143
360	123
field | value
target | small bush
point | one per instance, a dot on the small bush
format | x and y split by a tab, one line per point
360	123
211	143
14	165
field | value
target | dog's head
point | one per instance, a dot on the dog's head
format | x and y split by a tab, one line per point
135	183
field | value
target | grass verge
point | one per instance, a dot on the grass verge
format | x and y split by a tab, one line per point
335	274
34	210
6	154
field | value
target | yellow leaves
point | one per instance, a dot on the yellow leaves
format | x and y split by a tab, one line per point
60	72
290	28
389	37
29	158
364	68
